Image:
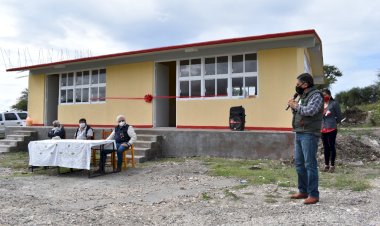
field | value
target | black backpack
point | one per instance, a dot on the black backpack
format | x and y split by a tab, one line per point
237	118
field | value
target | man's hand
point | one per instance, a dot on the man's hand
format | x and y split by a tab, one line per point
292	103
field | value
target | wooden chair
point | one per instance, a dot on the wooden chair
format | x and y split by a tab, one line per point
105	134
126	160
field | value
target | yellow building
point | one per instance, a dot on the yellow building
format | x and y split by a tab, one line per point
192	85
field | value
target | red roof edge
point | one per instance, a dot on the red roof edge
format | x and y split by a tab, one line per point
166	48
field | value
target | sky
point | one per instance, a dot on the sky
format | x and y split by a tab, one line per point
42	31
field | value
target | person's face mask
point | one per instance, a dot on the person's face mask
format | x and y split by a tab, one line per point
82	125
326	98
299	89
121	123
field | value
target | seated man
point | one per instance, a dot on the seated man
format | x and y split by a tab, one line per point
124	136
84	132
57	131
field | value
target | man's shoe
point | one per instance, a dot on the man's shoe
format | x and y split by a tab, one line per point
332	169
299	196
311	200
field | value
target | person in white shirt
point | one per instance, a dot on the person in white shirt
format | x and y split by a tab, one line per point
84	131
124	136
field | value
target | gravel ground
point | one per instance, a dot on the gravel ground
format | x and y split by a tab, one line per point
173	193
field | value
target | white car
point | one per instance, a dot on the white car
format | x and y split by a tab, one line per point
11	118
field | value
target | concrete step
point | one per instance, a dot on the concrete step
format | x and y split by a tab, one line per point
5	148
16	137
141	151
143	144
146	137
138	159
10	142
24	132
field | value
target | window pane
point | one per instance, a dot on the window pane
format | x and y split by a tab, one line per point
70	79
86	77
63	96
94	94
222	85
195	67
85	95
237	86
222	65
102	76
196	88
78	95
70	95
102	93
237	64
10	116
78	79
64	80
184	89
210	66
251	86
251	62
184	68
94	77
22	115
210	88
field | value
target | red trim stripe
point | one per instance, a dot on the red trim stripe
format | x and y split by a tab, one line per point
175	47
226	127
99	126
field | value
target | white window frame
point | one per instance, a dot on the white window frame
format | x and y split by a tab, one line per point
216	76
74	87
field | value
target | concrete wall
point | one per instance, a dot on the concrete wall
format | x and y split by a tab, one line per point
214	143
36	86
227	144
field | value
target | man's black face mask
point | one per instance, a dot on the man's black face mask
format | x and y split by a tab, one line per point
300	90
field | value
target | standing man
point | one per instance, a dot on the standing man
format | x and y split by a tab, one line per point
307	121
124	136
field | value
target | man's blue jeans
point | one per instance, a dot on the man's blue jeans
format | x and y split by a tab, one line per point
119	148
305	155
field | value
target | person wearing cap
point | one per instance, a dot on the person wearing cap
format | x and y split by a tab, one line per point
306	123
84	131
124	136
57	132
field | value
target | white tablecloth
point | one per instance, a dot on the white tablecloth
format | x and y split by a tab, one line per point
67	153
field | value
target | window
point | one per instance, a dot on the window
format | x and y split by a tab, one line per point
22	115
10	116
218	76
88	86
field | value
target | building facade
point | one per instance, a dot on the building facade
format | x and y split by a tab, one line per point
192	85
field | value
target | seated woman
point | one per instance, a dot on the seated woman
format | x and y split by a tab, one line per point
57	131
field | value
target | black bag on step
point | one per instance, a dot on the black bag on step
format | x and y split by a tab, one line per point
237	118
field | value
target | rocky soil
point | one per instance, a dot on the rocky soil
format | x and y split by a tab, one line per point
173	193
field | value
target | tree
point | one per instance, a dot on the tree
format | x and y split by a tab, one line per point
22	102
330	73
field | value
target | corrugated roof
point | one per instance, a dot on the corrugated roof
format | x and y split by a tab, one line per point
174	47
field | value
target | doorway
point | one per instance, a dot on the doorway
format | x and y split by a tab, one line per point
51	99
165	90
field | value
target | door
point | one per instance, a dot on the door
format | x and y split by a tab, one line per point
161	105
51	99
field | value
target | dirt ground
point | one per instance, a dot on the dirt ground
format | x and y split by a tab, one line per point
173	193
184	193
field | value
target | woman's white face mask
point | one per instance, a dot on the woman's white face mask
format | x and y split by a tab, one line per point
82	125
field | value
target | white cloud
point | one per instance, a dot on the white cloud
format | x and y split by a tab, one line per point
348	30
